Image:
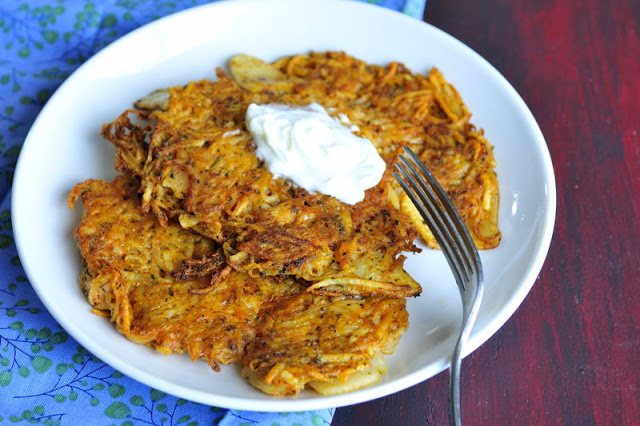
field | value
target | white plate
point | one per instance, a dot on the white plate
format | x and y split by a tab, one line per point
64	147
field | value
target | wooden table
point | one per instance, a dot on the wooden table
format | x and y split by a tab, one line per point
571	353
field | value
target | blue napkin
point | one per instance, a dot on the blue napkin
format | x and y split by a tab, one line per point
45	376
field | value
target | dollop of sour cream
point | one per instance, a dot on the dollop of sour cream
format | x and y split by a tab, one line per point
314	150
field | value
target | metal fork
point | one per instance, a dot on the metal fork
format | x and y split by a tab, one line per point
459	249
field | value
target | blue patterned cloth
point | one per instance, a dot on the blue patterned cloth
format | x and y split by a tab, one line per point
45	376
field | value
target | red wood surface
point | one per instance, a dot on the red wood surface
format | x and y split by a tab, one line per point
571	353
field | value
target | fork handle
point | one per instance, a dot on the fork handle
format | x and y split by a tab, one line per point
454	385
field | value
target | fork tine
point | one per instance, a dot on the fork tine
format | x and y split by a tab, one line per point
469	245
436	197
425	204
442	225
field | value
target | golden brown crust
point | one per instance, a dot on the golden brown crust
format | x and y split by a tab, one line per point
321	339
200	164
165	286
393	107
171	289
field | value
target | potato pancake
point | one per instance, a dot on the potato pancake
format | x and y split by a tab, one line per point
171	289
163	286
323	341
197	163
393	107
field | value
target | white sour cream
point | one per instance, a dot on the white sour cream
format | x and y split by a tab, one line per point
314	150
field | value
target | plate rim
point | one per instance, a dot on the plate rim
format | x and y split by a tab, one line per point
366	394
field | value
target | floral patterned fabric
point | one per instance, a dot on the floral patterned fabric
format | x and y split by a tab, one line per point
45	376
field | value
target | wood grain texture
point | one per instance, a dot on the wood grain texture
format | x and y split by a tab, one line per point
570	355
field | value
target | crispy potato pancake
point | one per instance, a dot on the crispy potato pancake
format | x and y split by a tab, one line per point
322	341
197	165
171	289
164	286
393	107
196	157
